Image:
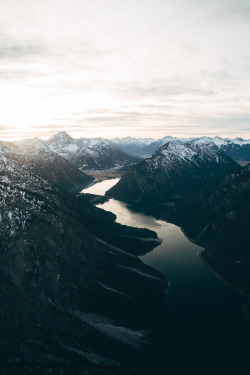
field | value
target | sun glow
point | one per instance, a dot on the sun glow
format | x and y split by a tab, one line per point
172	70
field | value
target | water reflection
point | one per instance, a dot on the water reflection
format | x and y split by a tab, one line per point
100	187
196	293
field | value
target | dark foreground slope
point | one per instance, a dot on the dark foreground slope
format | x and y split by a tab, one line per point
176	169
219	217
71	303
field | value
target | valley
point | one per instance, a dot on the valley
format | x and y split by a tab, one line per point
196	294
125	187
92	240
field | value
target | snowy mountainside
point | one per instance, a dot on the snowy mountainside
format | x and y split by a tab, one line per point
237	148
54	168
149	149
22	192
219	142
95	153
63	144
174	170
54	271
13	165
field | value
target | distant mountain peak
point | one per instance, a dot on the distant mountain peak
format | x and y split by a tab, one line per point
62	137
90	153
36	143
185	150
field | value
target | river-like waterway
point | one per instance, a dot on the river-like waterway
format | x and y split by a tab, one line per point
196	293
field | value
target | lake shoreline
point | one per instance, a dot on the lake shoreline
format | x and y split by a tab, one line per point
197	294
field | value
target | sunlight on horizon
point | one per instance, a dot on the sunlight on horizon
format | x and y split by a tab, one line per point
140	69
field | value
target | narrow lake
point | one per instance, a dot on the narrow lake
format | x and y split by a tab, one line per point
196	294
100	188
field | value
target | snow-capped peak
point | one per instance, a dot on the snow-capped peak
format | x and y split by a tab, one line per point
219	142
37	143
61	137
131	140
176	150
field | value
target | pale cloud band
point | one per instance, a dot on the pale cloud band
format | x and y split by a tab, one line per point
142	68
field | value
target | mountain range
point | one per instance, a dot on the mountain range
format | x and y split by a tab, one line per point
74	296
174	170
118	154
54	168
90	154
238	148
67	278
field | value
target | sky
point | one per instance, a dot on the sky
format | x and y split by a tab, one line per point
117	68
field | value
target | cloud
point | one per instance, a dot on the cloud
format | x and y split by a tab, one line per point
145	63
11	50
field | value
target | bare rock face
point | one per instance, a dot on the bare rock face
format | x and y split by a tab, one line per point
176	169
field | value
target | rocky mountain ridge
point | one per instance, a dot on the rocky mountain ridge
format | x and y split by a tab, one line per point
87	154
54	168
174	170
237	148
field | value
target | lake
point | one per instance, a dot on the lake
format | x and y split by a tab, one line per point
196	294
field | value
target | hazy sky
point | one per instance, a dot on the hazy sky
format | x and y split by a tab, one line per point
125	67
